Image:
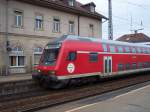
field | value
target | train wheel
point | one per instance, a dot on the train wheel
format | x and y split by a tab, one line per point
58	84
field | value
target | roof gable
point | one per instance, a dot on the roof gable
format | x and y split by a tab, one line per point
62	5
134	38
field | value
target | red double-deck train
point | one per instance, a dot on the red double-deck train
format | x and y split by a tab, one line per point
72	57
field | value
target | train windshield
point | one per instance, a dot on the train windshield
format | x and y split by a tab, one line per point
49	56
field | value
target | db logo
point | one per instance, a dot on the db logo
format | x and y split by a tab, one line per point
70	68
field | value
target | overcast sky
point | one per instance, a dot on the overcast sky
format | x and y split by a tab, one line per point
123	11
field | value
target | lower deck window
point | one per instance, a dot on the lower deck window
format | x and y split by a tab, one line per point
133	65
146	65
140	65
120	67
128	66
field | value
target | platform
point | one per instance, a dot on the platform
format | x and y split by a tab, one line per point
12	78
132	99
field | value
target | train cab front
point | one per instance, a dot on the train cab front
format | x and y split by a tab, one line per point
46	71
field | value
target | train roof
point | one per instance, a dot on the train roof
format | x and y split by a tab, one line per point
92	39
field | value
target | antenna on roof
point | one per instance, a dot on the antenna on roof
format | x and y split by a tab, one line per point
136	30
131	25
110	24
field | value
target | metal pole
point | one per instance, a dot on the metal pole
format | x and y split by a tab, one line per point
110	24
6	42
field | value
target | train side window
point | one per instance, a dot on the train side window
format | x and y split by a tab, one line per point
112	48
105	48
120	67
147	50
133	65
128	66
72	56
127	49
143	49
120	49
93	57
133	50
139	50
146	64
140	65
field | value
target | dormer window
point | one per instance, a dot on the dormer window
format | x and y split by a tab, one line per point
71	2
92	8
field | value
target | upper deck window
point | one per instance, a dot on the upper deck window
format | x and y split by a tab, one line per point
120	49
133	50
139	50
147	50
105	48
112	48
127	49
143	50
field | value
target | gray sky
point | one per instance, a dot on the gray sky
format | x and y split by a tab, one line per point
123	11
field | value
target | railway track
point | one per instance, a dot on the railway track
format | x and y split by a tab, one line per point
53	97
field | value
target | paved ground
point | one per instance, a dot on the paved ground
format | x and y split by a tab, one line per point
131	99
15	77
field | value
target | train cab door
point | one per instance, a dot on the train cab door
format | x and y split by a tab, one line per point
107	64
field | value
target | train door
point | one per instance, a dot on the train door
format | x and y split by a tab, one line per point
107	64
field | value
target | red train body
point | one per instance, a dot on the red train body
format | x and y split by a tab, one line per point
72	57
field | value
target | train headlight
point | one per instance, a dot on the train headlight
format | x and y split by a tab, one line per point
38	71
52	72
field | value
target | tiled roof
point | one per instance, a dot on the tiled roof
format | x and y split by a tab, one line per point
62	5
134	38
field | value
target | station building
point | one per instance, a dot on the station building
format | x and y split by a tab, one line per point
140	38
27	25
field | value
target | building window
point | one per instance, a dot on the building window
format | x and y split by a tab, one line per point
93	57
92	8
91	27
143	49
37	55
18	18
71	27
16	57
56	25
39	22
71	2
